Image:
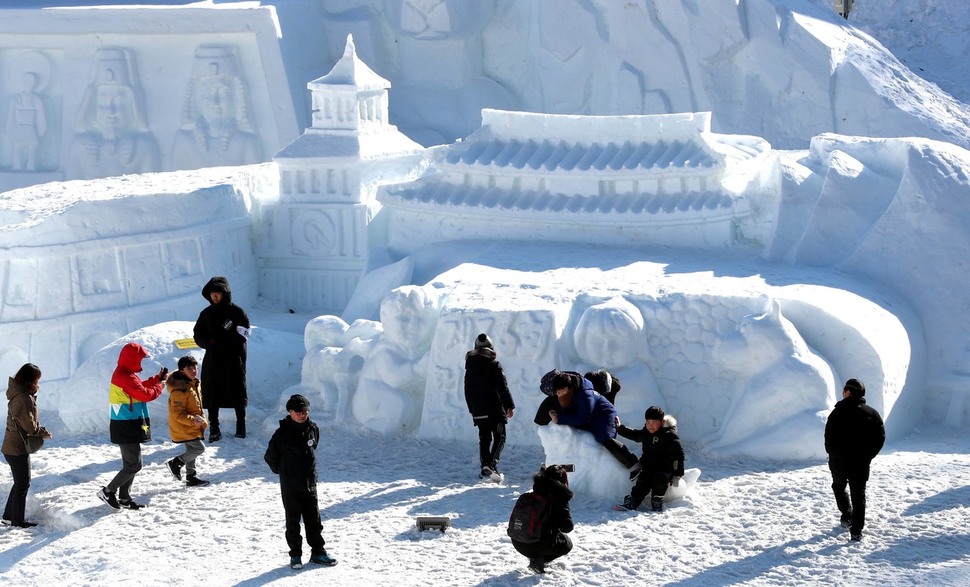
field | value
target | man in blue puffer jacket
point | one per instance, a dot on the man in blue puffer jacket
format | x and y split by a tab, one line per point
578	405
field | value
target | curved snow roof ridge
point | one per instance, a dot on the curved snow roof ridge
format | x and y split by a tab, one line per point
564	157
447	195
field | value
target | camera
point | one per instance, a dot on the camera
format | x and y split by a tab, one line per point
568	468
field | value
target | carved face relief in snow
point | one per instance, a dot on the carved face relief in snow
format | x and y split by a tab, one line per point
390	393
609	334
408	316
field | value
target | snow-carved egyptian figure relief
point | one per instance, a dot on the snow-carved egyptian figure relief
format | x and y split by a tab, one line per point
111	128
215	129
611	335
27	113
767	354
390	392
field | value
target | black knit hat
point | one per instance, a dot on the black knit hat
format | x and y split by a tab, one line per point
654	413
855	387
297	403
483	342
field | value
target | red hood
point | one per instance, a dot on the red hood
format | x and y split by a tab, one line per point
131	356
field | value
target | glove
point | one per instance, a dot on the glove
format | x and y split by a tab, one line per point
675	482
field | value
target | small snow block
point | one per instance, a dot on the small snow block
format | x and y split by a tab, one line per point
433	523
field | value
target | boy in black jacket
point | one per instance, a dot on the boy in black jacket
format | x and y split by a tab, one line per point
662	462
292	455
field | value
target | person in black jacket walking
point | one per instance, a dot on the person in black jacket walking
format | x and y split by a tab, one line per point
489	402
854	435
662	462
292	455
552	484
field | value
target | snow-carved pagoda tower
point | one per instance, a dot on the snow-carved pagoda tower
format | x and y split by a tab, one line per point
312	246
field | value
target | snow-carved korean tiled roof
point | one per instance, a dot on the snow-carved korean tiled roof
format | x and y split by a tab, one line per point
447	196
563	156
681	144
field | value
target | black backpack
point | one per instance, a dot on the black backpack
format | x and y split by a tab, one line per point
529	516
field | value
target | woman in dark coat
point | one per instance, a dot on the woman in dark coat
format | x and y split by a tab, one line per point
21	422
553	484
222	330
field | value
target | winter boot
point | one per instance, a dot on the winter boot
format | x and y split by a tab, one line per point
296	562
657	504
193	481
241	428
537	565
215	434
175	466
322	558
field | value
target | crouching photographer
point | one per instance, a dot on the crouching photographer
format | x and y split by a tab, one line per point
540	519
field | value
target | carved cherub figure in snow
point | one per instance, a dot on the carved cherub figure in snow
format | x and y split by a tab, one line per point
783	392
610	335
390	392
335	353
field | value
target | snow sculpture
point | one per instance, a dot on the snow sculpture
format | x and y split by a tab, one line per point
216	128
27	114
610	335
316	243
784	389
525	344
390	393
335	353
631	180
112	135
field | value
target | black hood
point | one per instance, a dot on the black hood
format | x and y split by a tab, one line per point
218	283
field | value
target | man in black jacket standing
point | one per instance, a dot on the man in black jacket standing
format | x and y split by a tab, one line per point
854	435
489	401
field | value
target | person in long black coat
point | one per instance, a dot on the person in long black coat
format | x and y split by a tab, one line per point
489	402
854	435
553	484
222	330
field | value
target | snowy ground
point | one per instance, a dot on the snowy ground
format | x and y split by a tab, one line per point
775	525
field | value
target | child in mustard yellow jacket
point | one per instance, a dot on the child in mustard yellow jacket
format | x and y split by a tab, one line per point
186	424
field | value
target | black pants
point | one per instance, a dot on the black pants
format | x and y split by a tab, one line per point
548	550
853	505
621	452
297	506
653	482
491	441
17	500
214	420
